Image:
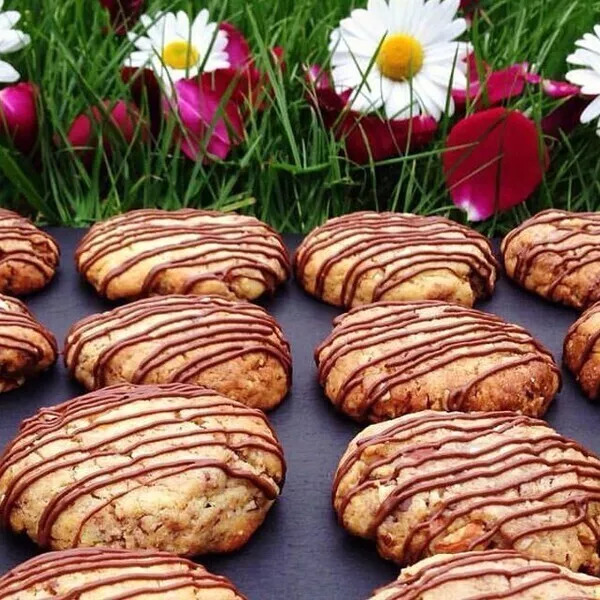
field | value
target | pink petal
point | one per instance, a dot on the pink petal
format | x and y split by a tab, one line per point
200	107
237	47
493	162
559	89
94	125
123	13
18	115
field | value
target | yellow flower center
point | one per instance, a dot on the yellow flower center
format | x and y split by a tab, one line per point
400	57
180	55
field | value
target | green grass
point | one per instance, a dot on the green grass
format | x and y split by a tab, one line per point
289	170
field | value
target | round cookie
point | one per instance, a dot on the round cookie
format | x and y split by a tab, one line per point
391	358
582	351
149	252
175	468
556	254
368	256
26	347
494	575
443	483
28	256
103	574
235	348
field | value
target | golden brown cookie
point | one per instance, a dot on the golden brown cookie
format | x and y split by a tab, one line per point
235	348
582	351
556	254
494	575
28	256
103	574
367	256
26	347
175	467
442	483
392	358
148	252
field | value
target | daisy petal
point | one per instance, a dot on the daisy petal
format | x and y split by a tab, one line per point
9	19
8	74
591	112
12	40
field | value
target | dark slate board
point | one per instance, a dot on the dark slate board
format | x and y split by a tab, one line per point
300	553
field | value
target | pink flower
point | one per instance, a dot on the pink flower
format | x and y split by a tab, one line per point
18	115
211	123
123	13
493	162
114	121
365	137
498	86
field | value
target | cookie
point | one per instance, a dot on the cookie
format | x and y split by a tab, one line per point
556	254
28	256
443	483
176	468
367	257
494	575
235	348
392	358
157	252
103	574
27	348
582	351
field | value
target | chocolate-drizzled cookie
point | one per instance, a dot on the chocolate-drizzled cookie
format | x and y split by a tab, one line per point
171	467
556	254
103	574
235	348
26	347
28	256
148	252
443	483
493	575
582	351
392	358
367	257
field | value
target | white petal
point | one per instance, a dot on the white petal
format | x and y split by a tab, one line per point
589	42
182	25
367	97
586	78
430	96
139	59
380	11
401	103
9	19
585	58
8	74
12	40
591	112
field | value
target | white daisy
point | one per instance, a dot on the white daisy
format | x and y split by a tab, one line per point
11	40
401	55
175	49
588	55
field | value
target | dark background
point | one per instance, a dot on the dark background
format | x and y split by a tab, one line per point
300	553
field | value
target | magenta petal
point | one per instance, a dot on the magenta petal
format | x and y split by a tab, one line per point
492	162
199	106
18	115
317	77
237	46
559	89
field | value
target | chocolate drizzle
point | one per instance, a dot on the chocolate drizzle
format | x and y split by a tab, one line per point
398	343
124	567
216	246
571	245
210	331
21	332
476	473
398	248
23	244
522	575
146	435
